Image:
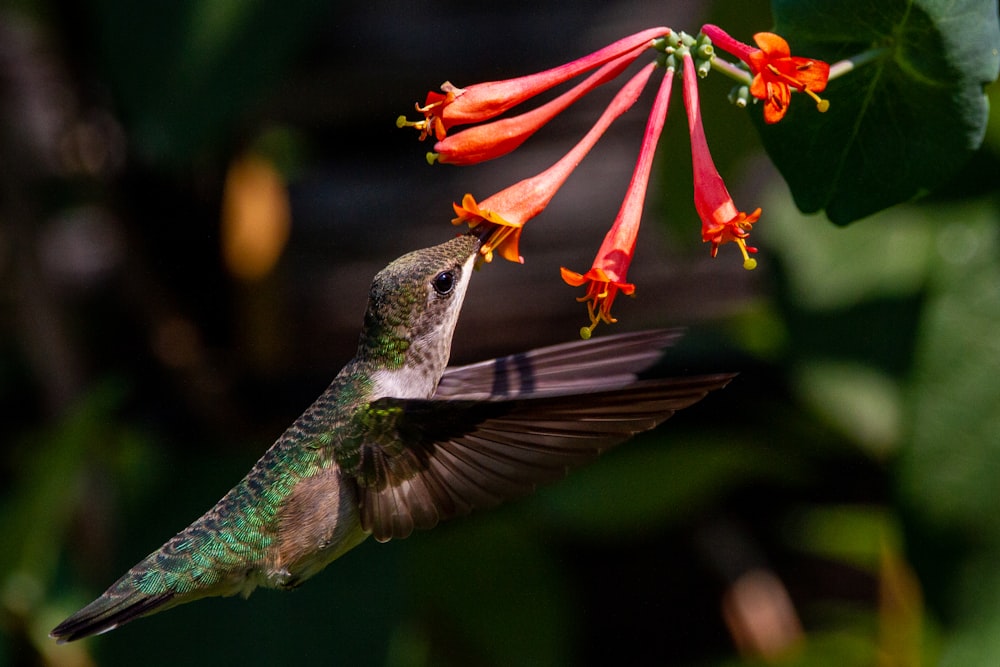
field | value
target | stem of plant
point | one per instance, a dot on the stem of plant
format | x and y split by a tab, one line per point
734	72
842	67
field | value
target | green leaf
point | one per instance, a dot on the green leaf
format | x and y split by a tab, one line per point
898	126
859	401
948	473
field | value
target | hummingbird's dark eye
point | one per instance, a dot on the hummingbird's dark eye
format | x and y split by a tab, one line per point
444	282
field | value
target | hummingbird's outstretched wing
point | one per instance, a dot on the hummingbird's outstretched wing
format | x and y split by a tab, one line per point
577	366
444	457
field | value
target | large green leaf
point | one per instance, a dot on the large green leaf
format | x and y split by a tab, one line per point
898	126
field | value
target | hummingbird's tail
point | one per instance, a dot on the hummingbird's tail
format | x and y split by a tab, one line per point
197	562
120	604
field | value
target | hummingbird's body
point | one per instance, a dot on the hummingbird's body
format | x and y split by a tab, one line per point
396	442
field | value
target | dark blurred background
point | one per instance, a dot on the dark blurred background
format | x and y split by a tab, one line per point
194	196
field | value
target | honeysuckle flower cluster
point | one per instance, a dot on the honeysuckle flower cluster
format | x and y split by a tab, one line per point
771	73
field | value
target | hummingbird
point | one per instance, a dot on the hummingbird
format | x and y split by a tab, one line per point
399	441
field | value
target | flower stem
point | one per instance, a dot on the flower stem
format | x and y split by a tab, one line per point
844	66
734	72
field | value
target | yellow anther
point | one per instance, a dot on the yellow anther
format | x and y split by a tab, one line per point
749	263
821	104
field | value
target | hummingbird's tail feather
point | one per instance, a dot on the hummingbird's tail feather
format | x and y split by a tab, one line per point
119	605
208	558
180	571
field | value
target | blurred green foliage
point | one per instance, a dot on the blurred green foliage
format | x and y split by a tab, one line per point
855	457
210	61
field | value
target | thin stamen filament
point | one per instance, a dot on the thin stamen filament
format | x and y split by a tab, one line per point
821	104
496	237
749	263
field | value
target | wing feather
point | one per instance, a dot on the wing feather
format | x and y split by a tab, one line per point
577	366
461	455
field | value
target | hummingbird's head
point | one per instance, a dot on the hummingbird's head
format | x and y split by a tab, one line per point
413	307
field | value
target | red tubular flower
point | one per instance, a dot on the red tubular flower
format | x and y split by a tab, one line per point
727	42
721	221
775	70
483	101
606	277
506	212
495	139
